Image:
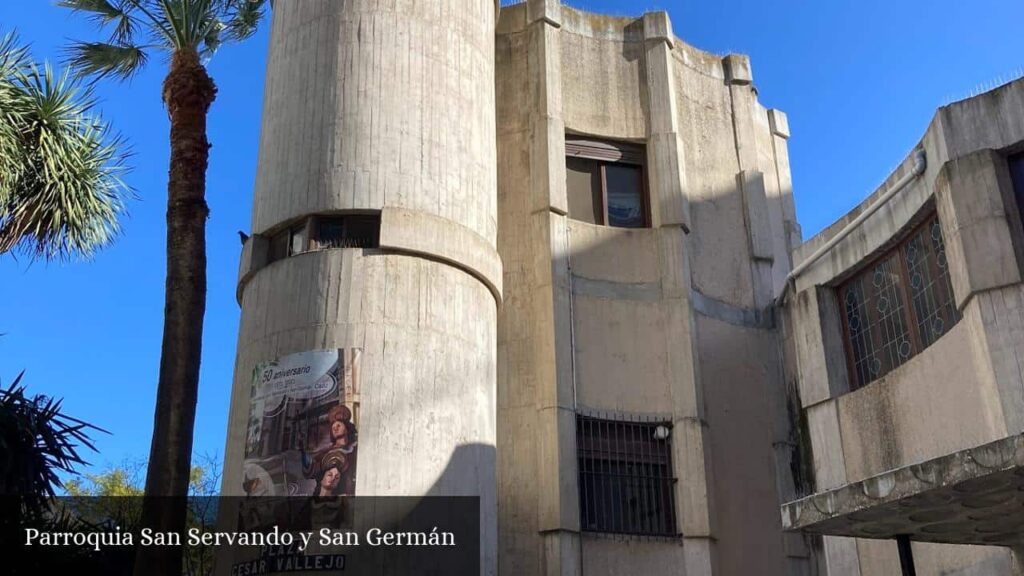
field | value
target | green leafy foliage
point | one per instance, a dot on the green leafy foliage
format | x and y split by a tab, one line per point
113	498
61	192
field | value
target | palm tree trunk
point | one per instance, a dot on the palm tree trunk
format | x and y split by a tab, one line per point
188	92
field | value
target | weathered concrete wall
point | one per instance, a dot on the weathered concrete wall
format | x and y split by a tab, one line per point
739	366
537	513
880	557
371	104
926	408
604	320
964	390
385	106
603	79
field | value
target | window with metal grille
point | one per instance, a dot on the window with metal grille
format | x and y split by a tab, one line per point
605	183
626	484
898	306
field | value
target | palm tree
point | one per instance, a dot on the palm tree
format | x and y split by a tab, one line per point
60	188
190	31
37	441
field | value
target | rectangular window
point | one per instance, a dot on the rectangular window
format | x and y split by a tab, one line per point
605	183
348	231
626	485
898	306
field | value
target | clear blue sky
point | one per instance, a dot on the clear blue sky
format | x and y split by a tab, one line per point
859	80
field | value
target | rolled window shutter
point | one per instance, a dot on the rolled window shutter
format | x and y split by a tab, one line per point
604	151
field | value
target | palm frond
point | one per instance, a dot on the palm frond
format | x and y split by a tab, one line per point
104	12
13	55
100	9
243	17
101	59
38	441
14	108
62	193
199	26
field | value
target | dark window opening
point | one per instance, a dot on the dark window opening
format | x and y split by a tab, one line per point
350	231
605	183
898	306
322	232
279	245
626	485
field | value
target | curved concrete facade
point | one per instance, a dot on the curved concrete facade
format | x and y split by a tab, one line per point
374	104
384	106
965	390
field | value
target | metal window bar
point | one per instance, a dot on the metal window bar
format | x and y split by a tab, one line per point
625	479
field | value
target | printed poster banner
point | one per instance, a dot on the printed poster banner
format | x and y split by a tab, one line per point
303	433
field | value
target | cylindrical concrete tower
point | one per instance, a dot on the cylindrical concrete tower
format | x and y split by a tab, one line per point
381	114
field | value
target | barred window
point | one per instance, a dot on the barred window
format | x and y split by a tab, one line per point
898	306
626	484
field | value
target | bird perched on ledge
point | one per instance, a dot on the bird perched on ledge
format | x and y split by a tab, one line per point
243	237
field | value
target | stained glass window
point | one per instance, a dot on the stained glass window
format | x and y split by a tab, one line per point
898	306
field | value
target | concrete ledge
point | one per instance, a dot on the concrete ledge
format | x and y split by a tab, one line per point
547	11
658	28
606	290
737	69
254	257
435	237
973	496
761	319
755	204
779	123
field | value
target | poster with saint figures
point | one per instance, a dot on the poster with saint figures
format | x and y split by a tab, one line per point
303	432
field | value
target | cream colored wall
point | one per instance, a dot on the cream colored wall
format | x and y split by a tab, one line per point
720	257
385	106
881	558
409	376
602	76
363	108
598	318
609	556
738	367
619	320
931	406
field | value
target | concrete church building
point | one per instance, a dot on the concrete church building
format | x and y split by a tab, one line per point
557	257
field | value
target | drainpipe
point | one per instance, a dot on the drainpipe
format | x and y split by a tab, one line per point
920	163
